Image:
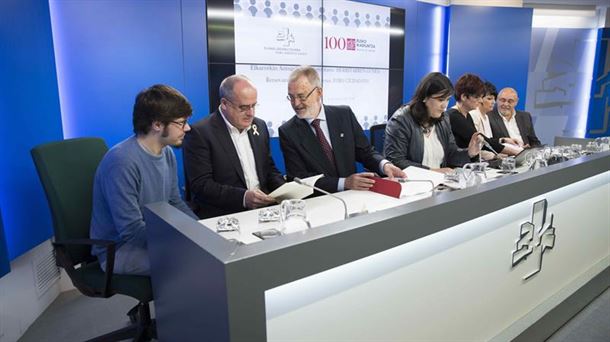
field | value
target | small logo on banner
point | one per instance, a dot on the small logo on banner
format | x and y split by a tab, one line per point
536	236
285	36
351	44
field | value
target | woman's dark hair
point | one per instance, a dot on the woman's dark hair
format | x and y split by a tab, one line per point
158	103
490	89
433	84
470	85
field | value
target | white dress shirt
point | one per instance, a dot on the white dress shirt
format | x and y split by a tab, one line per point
245	154
513	129
433	150
481	122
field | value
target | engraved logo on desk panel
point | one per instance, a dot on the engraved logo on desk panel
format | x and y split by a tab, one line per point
536	237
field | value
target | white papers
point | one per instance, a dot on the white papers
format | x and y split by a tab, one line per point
430	179
417	173
292	190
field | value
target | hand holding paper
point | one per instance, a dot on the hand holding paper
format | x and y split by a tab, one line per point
292	190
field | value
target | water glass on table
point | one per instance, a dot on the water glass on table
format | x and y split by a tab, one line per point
508	165
293	216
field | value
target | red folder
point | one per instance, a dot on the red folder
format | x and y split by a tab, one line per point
386	187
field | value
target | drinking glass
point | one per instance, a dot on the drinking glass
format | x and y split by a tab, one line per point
228	227
592	147
475	173
538	162
557	155
508	165
227	224
603	143
293	216
576	150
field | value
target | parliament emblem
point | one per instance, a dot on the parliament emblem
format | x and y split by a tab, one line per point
535	238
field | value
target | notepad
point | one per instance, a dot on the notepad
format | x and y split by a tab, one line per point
386	187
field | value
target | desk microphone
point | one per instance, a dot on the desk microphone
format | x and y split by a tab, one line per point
406	180
300	181
486	144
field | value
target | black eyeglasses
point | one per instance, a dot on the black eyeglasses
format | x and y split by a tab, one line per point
300	97
180	124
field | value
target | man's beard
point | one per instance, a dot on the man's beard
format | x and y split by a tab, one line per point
165	134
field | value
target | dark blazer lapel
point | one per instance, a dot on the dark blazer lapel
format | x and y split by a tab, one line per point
500	123
258	148
522	125
337	137
310	143
221	132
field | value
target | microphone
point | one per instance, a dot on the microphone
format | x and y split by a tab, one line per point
300	181
486	144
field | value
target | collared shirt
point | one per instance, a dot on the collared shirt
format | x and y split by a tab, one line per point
324	128
323	125
433	150
513	129
481	122
241	141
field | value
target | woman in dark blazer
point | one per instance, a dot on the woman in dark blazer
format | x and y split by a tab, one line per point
469	91
419	133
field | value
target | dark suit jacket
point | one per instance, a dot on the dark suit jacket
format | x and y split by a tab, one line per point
304	157
214	176
524	123
404	141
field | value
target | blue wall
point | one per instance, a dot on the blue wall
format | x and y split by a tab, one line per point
29	107
598	122
102	67
5	266
492	42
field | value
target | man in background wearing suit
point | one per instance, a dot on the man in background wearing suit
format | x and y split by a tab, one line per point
509	125
227	160
327	140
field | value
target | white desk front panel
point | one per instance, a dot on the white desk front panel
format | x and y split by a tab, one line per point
457	284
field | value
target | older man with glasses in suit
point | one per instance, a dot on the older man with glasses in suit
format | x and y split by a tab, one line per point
327	140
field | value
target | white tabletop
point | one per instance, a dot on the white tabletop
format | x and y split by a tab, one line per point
325	209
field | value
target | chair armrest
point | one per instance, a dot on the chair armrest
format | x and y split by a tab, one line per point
68	264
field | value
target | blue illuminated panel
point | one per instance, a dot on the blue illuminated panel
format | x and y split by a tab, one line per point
599	110
492	42
29	108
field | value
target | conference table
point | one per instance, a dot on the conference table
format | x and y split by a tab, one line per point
510	259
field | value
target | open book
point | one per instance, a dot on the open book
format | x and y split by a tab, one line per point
293	190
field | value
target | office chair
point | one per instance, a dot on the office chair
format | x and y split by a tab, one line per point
66	170
378	137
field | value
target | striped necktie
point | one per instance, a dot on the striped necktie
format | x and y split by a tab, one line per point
328	151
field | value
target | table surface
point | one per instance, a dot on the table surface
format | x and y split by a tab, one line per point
323	210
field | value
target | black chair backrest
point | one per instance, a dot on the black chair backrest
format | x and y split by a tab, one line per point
66	170
378	137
